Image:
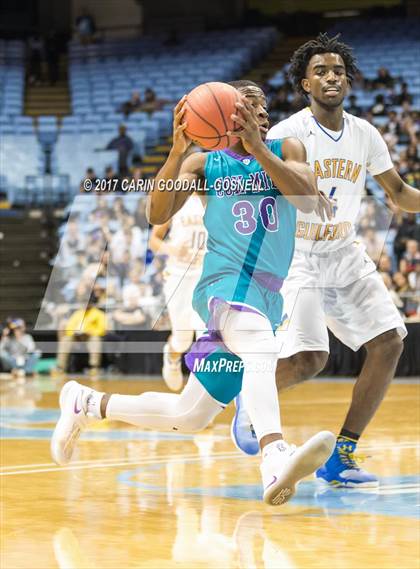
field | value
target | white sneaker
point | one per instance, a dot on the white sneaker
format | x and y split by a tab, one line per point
285	465
72	421
172	370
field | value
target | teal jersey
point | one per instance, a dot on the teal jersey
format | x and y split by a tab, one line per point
251	236
251	226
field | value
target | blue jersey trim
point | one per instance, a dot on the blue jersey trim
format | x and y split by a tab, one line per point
327	133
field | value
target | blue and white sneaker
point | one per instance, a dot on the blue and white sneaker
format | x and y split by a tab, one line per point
241	431
341	469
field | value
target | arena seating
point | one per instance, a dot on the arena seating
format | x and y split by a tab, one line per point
11	78
393	44
101	82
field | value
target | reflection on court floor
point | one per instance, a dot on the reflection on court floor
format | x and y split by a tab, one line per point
145	499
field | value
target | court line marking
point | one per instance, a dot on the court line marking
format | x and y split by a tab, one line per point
159	460
103	462
75	462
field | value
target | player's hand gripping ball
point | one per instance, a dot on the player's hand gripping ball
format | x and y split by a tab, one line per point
208	110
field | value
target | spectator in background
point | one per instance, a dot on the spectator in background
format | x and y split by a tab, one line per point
157	280
94	247
136	167
412	174
408	133
140	218
379	107
106	282
121	267
78	267
374	216
86	325
404	291
403	96
91	176
383	80
130	316
103	220
119	211
391	141
18	352
130	239
133	105
409	229
385	264
35	49
124	145
412	152
85	27
394	295
412	254
135	286
150	103
394	125
353	107
414	280
101	209
72	241
111	175
359	81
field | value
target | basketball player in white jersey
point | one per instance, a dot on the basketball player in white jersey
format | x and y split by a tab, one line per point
332	282
185	248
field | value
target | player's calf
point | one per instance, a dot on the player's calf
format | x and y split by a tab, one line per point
290	371
299	367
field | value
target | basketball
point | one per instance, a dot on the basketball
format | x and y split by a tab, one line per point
208	110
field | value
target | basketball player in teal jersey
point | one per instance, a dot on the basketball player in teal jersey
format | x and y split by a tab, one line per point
253	191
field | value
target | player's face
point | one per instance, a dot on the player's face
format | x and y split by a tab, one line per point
326	79
257	99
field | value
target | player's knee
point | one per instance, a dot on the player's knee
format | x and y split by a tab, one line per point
253	345
387	346
311	364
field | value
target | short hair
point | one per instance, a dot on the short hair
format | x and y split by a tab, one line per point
243	83
322	44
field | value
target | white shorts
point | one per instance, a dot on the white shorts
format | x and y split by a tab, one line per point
178	289
340	290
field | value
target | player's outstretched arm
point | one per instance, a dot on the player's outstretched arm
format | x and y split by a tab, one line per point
164	201
403	195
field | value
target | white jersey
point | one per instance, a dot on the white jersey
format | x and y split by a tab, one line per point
340	161
188	236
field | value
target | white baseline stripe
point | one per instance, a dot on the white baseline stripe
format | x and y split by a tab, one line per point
158	460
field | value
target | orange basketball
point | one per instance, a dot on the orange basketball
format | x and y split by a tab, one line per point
208	110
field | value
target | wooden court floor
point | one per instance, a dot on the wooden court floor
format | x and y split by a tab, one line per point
136	499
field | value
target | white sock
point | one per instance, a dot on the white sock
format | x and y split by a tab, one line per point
192	410
249	335
93	403
274	447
